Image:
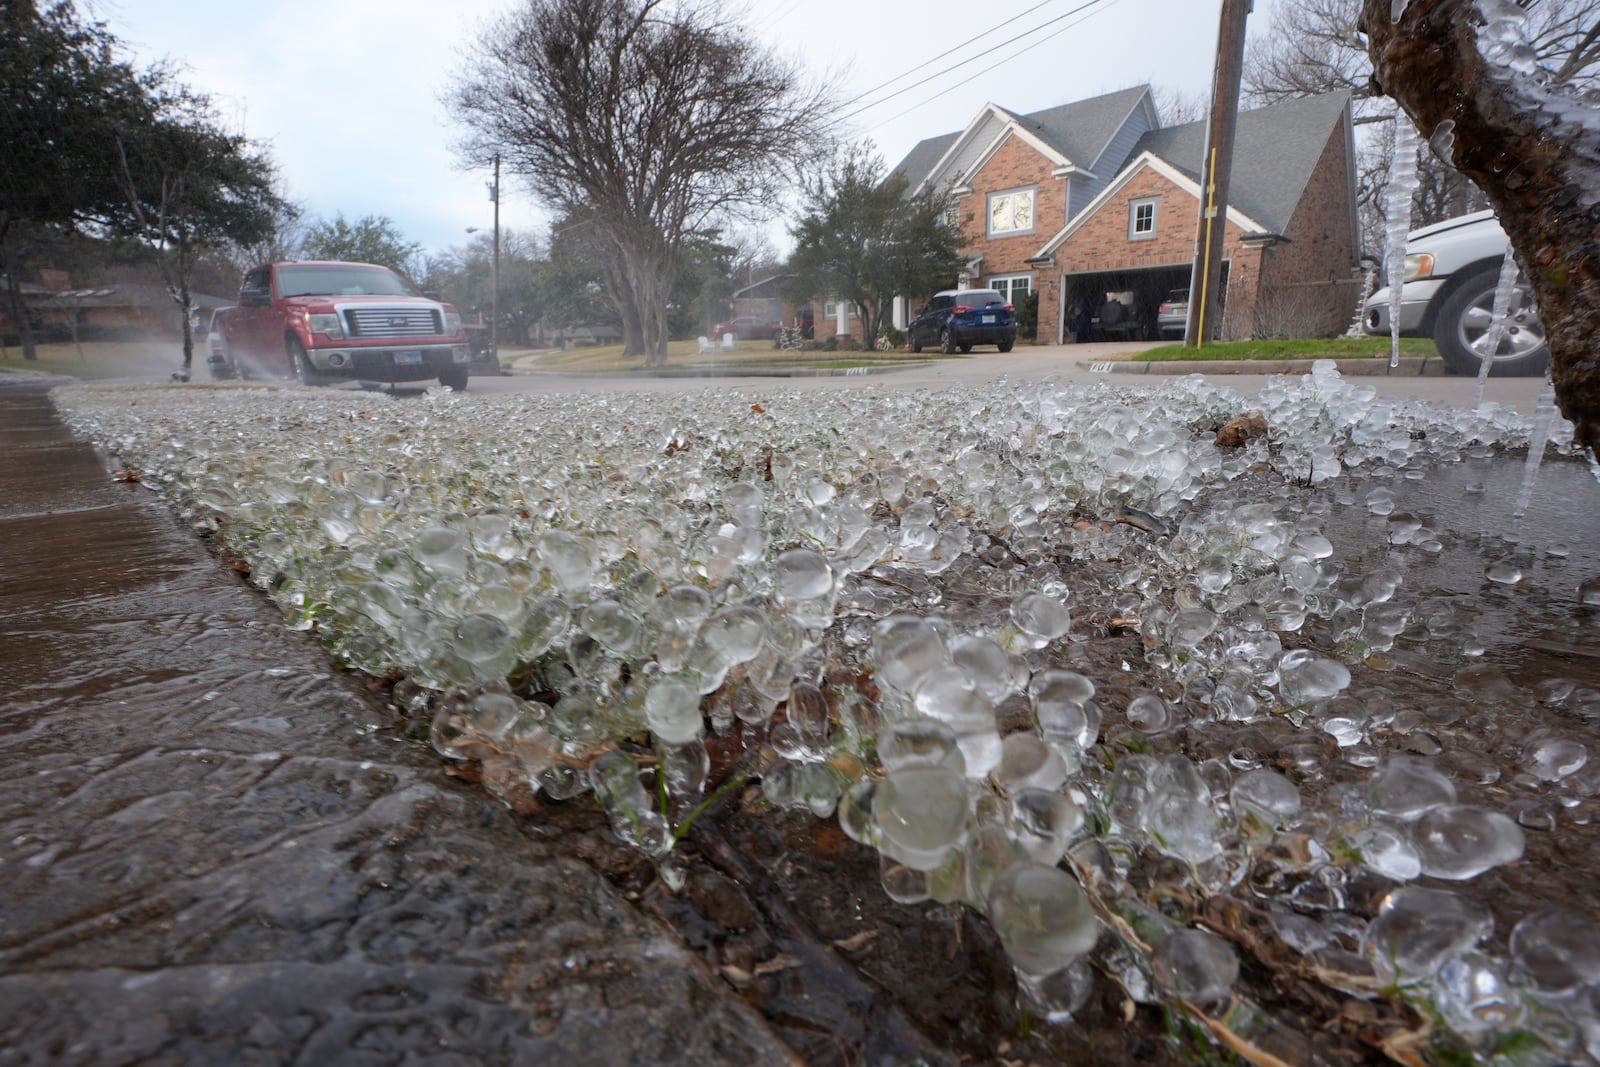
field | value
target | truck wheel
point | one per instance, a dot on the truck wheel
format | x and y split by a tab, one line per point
221	372
454	378
301	363
1462	327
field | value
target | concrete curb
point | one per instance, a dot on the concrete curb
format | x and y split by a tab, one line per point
735	372
1408	367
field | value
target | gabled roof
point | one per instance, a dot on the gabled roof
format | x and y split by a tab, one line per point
1275	149
1077	133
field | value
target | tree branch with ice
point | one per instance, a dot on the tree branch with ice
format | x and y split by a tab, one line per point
1464	67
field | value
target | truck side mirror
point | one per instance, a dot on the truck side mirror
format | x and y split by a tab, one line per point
254	298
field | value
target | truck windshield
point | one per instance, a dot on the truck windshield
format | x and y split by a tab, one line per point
341	279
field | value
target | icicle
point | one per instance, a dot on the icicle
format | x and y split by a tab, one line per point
1504	290
1402	185
1544	414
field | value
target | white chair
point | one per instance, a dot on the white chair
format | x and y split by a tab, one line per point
705	346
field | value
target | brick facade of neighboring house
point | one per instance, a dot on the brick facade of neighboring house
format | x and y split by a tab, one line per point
1290	246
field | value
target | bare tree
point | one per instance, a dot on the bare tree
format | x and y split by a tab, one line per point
641	119
1530	138
1315	46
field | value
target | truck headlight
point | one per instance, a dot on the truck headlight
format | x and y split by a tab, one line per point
452	322
1418	265
327	325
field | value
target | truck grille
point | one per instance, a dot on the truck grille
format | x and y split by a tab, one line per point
393	322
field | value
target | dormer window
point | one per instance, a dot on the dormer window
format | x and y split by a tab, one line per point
1010	212
1142	218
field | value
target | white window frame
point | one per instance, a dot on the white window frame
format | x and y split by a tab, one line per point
1030	192
1154	204
830	309
1006	284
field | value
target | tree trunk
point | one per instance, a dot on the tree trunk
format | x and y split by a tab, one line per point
1534	148
19	315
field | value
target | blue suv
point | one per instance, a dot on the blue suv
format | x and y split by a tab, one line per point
957	319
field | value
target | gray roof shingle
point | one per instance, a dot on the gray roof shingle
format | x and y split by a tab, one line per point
1080	131
1275	149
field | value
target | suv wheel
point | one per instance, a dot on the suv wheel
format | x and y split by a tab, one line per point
1462	326
914	340
947	342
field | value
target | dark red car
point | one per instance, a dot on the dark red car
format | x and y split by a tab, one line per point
748	328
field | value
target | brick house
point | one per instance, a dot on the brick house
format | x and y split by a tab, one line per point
1093	202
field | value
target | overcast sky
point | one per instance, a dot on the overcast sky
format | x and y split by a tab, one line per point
346	93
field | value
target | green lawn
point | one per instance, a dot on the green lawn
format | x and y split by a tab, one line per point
1316	348
103	359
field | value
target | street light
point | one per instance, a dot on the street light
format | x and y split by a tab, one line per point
494	272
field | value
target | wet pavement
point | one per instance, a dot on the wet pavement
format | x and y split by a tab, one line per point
214	852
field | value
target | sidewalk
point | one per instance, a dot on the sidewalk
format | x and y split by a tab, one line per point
214	854
1103	357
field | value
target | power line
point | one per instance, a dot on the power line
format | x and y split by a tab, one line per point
986	52
1021	51
971	40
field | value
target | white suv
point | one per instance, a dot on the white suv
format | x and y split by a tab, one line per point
1452	268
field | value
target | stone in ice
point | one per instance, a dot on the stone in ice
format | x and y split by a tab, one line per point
1459	841
1042	916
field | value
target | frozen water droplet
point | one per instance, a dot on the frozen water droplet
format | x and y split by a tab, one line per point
1040	619
571	560
802	575
1195	965
1042	916
442	551
1504	572
1552	756
921	812
1589	595
1267	795
904	648
1306	678
1459	841
1556	950
1180	816
1026	762
1044	823
1475	996
672	711
1387	851
1149	714
1419	929
1406	788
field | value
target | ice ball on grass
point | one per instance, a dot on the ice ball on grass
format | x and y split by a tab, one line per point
1307	678
1460	841
1044	823
1026	762
1475	996
672	711
1406	788
1418	930
1267	796
1557	950
904	648
1039	619
1043	917
921	814
1196	966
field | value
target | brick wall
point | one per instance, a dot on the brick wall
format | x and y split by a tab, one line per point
1309	286
1101	243
1014	165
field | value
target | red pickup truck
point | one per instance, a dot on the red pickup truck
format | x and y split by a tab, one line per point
322	322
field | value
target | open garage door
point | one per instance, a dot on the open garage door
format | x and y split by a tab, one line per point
1121	305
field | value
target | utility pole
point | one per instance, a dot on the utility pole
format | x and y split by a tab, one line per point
1205	280
494	272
